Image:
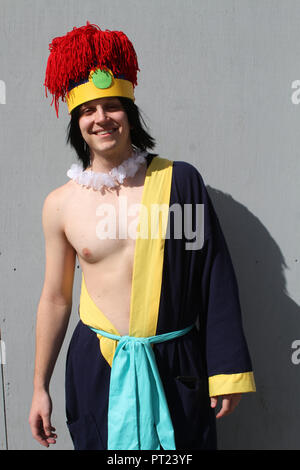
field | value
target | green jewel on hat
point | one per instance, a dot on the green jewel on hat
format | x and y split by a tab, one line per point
102	78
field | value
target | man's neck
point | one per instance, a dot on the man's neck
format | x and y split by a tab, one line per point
104	162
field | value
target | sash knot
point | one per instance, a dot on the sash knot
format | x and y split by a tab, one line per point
138	413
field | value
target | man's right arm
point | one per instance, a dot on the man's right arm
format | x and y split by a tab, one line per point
53	314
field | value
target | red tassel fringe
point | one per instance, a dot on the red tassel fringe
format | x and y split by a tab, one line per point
72	57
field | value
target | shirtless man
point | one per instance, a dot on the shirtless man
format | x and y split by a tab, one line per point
70	218
69	221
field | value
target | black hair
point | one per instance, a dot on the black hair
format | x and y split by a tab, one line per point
140	138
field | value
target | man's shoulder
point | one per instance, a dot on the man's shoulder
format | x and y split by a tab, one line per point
59	192
182	167
186	172
56	198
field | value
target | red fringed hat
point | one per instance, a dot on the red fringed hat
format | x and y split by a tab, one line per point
88	63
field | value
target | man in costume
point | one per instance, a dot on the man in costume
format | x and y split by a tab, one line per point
160	334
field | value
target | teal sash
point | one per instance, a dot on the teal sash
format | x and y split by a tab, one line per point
138	414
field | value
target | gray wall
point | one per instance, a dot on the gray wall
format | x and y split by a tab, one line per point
216	88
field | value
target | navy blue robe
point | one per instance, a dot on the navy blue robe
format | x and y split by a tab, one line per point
198	287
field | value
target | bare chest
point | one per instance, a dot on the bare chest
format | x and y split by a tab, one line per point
100	226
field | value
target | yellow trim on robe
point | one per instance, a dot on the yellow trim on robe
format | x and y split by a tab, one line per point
149	252
147	266
223	384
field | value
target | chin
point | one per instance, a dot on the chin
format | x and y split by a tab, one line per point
107	147
110	147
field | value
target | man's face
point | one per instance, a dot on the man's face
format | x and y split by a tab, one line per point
104	126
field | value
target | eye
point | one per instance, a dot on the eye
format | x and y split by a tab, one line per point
113	106
86	111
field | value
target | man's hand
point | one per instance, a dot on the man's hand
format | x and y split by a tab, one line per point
229	402
40	419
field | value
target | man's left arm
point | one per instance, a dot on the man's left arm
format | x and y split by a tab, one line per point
228	360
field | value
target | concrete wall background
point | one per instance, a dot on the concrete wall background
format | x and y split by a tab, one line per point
216	90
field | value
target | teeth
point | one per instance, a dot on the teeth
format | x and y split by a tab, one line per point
105	132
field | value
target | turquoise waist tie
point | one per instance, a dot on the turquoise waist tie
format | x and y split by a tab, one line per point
138	414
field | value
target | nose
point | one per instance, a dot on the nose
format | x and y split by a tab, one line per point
100	115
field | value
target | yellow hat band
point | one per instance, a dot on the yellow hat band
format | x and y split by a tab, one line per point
89	91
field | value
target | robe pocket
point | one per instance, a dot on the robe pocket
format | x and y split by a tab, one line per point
193	393
190	382
85	434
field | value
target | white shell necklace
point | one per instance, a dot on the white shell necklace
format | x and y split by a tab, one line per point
116	175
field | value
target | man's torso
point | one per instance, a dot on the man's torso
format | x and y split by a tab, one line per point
95	225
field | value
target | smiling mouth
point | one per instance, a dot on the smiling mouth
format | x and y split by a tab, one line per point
105	133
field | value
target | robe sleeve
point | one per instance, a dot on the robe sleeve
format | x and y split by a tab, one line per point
228	361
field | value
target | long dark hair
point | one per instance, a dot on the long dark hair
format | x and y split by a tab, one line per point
140	138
